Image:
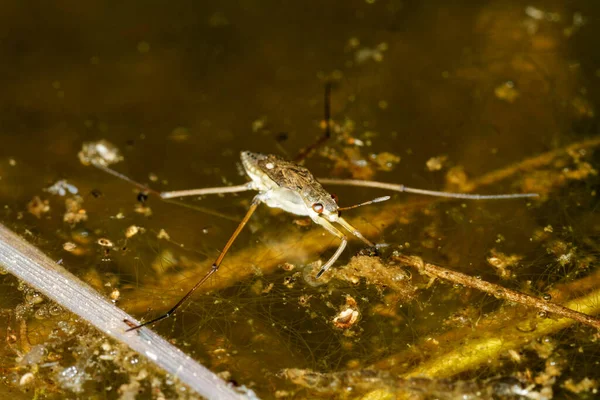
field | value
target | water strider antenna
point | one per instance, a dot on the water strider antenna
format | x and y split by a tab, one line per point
366	203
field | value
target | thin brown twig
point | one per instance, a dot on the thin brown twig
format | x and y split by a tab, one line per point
496	290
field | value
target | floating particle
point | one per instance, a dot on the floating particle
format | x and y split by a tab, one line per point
61	188
268	288
507	92
38	206
75	212
539	14
365	54
436	163
353	43
385	161
132	231
259	124
162	234
26	379
348	315
142	209
304	300
104	242
179	134
289	281
69	246
115	294
585	385
101	153
12	162
287	267
503	263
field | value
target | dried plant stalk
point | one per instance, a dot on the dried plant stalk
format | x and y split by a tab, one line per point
36	269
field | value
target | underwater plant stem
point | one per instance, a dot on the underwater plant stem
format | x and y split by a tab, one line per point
29	264
474	352
497	290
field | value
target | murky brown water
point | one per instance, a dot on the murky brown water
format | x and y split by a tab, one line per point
182	88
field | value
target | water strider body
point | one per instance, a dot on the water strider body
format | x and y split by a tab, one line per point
291	187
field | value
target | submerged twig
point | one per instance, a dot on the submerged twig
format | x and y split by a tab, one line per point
497	290
36	269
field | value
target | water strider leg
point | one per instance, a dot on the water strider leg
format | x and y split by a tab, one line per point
125	178
405	189
178	193
203	191
336	232
327	134
354	231
214	268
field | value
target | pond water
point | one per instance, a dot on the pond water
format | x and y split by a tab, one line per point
486	97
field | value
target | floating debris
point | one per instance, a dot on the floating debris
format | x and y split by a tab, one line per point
384	161
75	212
287	267
142	209
115	294
27	379
38	206
503	262
259	124
179	134
348	314
436	163
104	242
69	246
61	188
539	14
162	234
507	92
366	53
132	231
101	153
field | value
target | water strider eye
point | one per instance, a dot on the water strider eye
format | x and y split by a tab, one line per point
318	208
334	197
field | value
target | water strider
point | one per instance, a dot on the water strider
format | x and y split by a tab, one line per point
291	187
280	184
